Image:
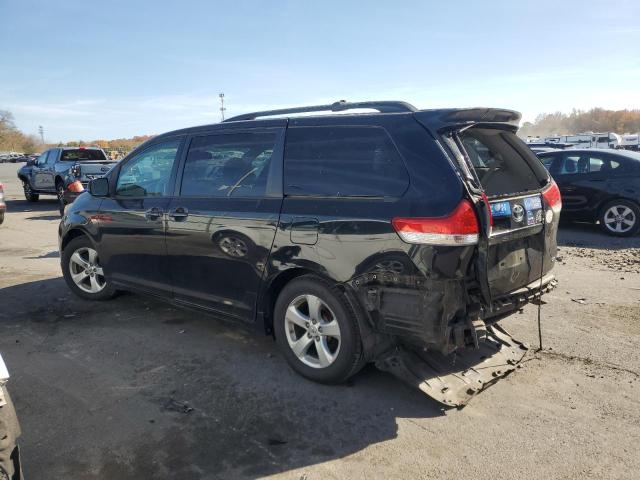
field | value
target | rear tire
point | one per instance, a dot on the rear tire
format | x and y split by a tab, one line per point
60	194
620	218
82	271
317	331
28	192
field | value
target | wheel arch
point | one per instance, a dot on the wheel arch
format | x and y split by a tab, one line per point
280	281
72	234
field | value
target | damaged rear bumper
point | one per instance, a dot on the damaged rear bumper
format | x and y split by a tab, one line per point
455	378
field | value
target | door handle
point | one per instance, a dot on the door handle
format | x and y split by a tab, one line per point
153	213
179	213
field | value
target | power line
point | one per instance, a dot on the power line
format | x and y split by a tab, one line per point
41	132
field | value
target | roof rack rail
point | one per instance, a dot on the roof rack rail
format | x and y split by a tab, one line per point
342	105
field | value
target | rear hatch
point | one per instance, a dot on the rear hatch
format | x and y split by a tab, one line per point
521	244
519	247
517	202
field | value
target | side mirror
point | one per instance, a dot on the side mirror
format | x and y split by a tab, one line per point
99	187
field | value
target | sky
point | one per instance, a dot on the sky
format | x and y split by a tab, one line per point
109	69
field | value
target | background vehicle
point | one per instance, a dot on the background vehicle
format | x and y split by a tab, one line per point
3	206
48	174
631	141
344	235
598	185
10	467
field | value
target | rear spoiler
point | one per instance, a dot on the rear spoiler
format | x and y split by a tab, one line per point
448	119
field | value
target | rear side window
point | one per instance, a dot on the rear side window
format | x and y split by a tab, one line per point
343	162
226	165
82	154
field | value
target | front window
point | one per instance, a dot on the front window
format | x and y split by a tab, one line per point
148	173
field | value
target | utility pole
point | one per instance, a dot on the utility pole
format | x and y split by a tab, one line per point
41	132
222	109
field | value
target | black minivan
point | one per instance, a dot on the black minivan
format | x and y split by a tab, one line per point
343	235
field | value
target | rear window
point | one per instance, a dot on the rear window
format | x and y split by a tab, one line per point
343	162
503	163
82	154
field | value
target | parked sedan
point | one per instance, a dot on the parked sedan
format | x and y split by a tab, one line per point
598	185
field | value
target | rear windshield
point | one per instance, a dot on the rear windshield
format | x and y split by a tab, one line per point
503	163
82	154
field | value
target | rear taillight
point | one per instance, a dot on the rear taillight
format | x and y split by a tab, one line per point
551	194
76	187
460	227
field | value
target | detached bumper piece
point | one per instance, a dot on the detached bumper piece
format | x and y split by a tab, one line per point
455	378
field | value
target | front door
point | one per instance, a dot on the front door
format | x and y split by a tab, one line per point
132	219
221	226
38	171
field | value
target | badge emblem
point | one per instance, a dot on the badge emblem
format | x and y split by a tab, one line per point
518	212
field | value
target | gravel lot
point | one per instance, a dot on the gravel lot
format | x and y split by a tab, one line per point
135	389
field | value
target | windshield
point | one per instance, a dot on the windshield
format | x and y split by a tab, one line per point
82	154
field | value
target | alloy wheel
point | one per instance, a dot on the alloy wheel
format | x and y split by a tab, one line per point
312	331
619	219
86	271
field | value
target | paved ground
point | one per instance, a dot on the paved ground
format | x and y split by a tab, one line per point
101	388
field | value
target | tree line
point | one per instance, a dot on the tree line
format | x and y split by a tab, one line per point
594	120
12	139
122	145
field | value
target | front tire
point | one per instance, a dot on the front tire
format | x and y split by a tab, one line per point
317	331
28	192
620	218
82	271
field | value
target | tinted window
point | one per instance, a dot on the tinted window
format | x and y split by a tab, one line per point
42	159
148	173
569	164
343	162
583	163
547	160
228	165
53	156
82	154
595	164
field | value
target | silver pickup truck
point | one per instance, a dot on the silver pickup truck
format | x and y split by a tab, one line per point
53	170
